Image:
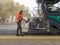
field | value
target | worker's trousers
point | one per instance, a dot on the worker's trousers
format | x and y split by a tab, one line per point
19	28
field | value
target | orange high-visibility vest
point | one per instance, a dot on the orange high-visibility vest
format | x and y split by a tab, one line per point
19	17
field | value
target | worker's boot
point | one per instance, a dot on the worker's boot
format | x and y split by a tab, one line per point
21	34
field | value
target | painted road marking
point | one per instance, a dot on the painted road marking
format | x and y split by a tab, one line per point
29	37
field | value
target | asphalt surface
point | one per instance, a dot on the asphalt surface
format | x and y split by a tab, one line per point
12	39
29	41
10	29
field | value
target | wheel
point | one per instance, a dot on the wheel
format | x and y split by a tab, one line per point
54	31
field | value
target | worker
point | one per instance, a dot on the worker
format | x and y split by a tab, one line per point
19	19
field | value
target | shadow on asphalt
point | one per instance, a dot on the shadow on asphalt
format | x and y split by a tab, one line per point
42	34
13	32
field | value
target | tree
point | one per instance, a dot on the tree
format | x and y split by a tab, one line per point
9	8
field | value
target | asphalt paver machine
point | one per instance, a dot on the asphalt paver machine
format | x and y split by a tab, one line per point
48	19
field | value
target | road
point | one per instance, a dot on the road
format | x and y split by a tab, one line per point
8	32
9	29
29	40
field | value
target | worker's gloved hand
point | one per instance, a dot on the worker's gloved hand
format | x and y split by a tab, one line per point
27	21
